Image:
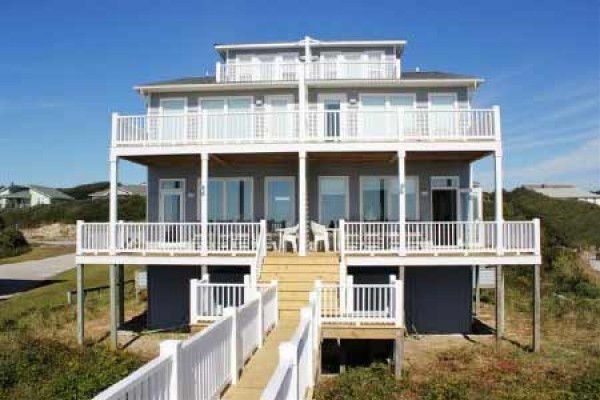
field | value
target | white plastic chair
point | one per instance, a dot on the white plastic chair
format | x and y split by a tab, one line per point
289	235
320	234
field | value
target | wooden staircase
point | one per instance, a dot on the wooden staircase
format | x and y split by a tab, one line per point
296	277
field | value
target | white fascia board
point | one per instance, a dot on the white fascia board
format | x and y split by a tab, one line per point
252	148
394	83
434	261
165	260
145	89
314	43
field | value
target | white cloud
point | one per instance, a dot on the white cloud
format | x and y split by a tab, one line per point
583	160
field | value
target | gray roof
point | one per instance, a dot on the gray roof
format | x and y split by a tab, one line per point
50	192
406	75
23	194
562	191
139	190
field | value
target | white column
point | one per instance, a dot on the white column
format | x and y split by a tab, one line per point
204	202
498	202
402	201
173	348
302	202
113	203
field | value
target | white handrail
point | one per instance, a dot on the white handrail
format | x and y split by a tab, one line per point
435	238
352	124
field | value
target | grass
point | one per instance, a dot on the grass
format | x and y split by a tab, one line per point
568	367
39	357
39	252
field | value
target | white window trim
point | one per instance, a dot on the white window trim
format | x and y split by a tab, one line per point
347	194
225	101
387	103
291	179
162	191
456	189
249	179
392	178
322	97
434	94
162	100
288	97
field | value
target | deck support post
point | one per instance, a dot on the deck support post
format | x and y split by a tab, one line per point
204	203
302	203
398	353
121	294
80	305
477	290
499	217
499	303
402	202
113	306
536	308
113	203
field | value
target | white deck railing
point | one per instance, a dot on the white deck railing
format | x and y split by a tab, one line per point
521	237
362	304
296	371
351	125
201	367
319	70
169	237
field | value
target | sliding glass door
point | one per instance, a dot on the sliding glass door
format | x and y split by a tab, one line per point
333	200
230	200
379	198
280	193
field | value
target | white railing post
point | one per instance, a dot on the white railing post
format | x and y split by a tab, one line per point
113	203
204	203
260	317
79	237
263	234
194	300
348	296
342	238
306	317
249	286
537	237
218	72
114	129
302	178
173	349
399	302
233	359
497	125
499	217
288	352
402	202
398	68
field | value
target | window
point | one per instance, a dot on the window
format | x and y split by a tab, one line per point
379	198
237	124
280	201
333	199
173	120
230	200
171	200
377	116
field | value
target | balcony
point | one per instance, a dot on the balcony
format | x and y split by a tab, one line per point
352	125
318	71
356	238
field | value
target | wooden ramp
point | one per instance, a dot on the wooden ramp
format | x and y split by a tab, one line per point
296	278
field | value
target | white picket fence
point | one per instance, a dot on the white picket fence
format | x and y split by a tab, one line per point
298	358
202	366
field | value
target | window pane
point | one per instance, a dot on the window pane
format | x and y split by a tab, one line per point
215	200
280	201
401	101
333	199
373	199
239	104
171	184
171	207
172	105
412	198
212	105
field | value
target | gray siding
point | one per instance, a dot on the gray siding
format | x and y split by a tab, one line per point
423	169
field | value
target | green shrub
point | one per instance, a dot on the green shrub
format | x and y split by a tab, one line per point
130	209
371	383
569	275
587	387
12	243
32	368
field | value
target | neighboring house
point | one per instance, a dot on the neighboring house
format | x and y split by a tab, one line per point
15	196
123	191
565	192
335	142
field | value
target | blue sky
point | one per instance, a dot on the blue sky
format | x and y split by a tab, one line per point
65	65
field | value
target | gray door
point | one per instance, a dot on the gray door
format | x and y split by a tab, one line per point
438	299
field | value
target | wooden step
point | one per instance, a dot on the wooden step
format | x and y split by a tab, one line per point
299	295
301	260
292	304
298	276
300	267
289	314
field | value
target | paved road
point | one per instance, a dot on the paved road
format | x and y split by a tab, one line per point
19	277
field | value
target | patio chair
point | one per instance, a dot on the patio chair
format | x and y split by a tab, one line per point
289	235
320	234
